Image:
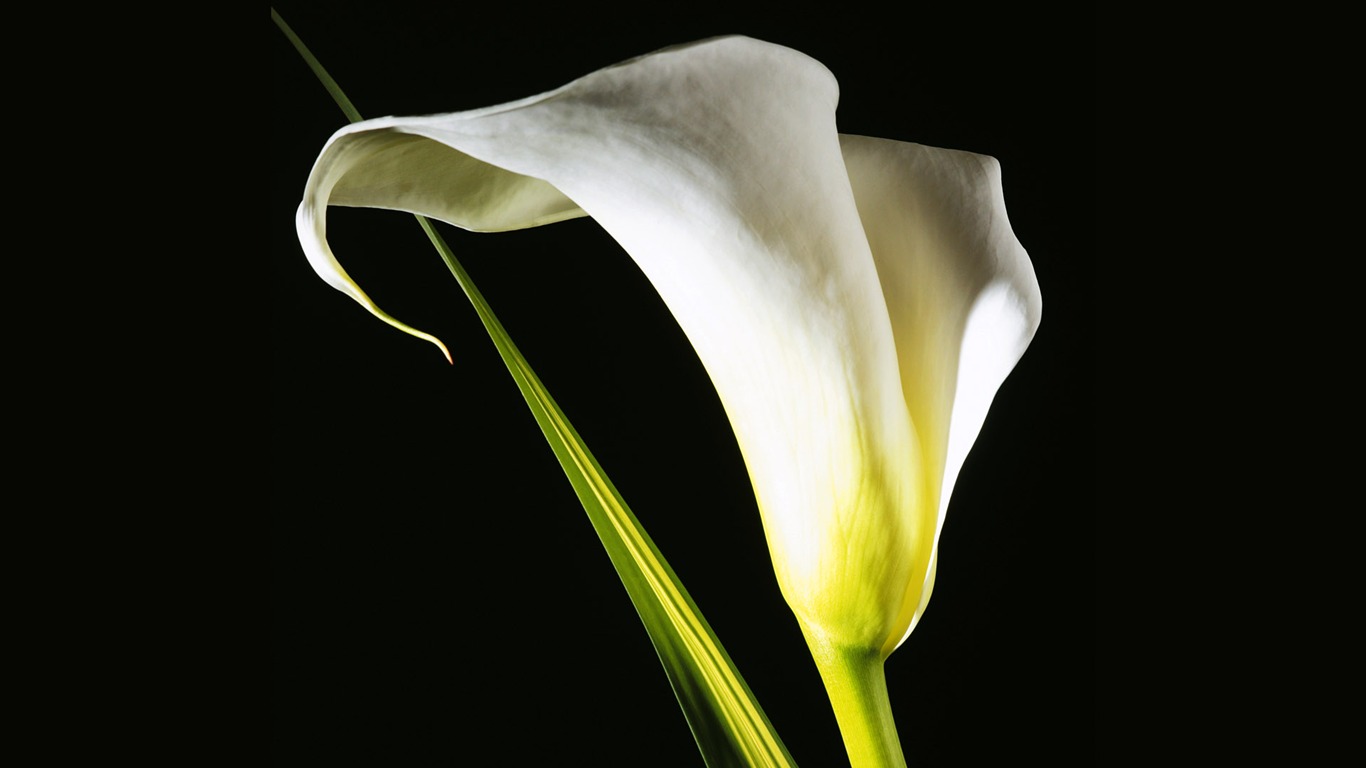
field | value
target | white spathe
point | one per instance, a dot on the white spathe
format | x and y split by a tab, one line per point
857	302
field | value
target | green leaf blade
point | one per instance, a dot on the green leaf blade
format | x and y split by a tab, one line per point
728	724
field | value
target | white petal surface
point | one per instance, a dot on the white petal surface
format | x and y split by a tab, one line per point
855	333
962	295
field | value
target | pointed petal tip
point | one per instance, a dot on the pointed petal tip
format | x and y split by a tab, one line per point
402	326
428	337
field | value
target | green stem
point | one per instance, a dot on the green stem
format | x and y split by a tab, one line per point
857	686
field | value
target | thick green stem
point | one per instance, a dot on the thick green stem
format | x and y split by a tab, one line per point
857	686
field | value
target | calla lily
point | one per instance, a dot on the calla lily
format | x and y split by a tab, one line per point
855	301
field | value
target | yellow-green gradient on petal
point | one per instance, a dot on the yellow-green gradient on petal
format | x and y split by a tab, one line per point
855	302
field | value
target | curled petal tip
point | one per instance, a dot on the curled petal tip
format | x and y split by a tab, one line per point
312	230
411	331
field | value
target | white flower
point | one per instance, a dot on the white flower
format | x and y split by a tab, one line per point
856	301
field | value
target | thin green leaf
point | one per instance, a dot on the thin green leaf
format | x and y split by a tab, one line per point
333	89
729	725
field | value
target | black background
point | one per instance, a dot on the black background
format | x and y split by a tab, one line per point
439	594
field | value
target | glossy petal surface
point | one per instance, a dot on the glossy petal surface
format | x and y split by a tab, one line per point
856	302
